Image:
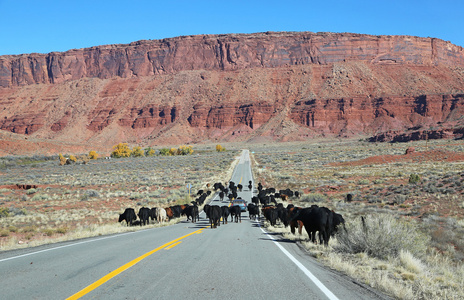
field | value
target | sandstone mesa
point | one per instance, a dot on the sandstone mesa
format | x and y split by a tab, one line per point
283	86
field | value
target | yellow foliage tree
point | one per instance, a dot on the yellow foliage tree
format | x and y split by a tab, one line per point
219	148
121	150
184	150
137	152
93	155
149	151
72	158
173	151
62	159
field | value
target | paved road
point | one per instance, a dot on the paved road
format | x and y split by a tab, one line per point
183	261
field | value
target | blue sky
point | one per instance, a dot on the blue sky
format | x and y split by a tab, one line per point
47	26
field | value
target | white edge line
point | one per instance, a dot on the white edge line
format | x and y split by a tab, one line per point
310	275
69	245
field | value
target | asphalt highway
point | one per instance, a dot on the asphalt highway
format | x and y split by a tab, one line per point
182	261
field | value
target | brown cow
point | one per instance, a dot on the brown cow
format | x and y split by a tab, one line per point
169	213
294	223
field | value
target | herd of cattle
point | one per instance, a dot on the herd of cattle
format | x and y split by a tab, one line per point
314	219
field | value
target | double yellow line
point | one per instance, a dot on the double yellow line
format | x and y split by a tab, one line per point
119	270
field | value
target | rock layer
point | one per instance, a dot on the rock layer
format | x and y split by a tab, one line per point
224	52
278	86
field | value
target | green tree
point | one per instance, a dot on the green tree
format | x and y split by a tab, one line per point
165	152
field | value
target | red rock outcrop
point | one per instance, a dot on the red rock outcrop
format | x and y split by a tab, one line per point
240	87
224	52
369	115
252	115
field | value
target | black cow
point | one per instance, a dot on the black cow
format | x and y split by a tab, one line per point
270	213
144	215
253	211
240	187
152	213
176	211
218	186
225	212
236	211
136	223
221	196
232	185
191	211
215	216
282	214
128	215
349	197
207	208
255	200
316	219
337	220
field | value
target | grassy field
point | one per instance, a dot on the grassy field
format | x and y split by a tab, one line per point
414	202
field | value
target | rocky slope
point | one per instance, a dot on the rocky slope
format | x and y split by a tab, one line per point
238	87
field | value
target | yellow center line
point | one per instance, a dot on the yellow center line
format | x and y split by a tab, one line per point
172	246
121	269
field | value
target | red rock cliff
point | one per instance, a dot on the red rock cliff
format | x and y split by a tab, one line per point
281	86
224	52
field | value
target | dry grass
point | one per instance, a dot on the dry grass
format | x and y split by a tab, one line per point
74	201
378	178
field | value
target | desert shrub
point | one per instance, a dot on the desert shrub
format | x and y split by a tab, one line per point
414	178
165	152
172	151
137	152
39	197
62	159
184	150
219	148
364	182
4	233
121	150
149	151
381	236
93	155
314	197
92	193
62	230
48	231
15	211
29	229
4	212
31	191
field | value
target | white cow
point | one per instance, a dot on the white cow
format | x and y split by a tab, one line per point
161	215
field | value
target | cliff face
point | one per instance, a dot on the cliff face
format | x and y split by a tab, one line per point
282	86
224	52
